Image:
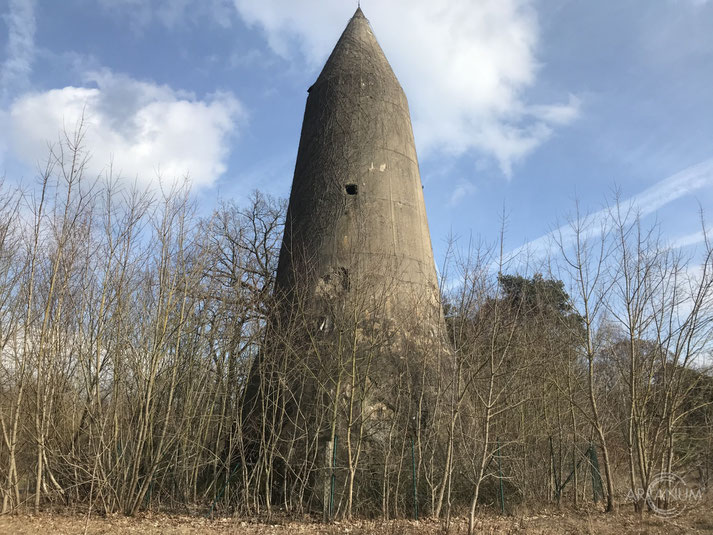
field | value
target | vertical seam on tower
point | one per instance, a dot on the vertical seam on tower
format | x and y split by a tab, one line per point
393	221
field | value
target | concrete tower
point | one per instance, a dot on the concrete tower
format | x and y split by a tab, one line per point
356	220
358	332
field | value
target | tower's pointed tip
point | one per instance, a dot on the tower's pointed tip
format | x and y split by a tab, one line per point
357	50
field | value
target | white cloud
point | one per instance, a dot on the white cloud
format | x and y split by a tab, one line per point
557	114
650	200
148	130
694	238
463	189
682	183
20	50
464	65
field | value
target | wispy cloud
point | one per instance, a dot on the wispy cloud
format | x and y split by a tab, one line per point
20	49
171	13
463	189
683	183
689	239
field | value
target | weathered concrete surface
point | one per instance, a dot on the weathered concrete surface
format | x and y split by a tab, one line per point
356	208
356	344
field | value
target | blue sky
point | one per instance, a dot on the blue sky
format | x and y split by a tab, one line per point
518	106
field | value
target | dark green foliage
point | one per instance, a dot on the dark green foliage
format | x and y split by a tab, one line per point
537	296
544	300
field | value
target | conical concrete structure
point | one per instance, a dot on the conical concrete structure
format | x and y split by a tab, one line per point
355	346
356	209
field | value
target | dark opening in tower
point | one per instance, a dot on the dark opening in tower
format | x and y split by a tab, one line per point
352	189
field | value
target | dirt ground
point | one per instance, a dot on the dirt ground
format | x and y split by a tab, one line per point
571	522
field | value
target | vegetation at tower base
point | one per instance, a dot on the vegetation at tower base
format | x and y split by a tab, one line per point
130	326
331	385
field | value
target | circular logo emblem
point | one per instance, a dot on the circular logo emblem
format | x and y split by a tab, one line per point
669	495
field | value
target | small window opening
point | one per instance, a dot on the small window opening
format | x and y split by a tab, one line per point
344	272
352	189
